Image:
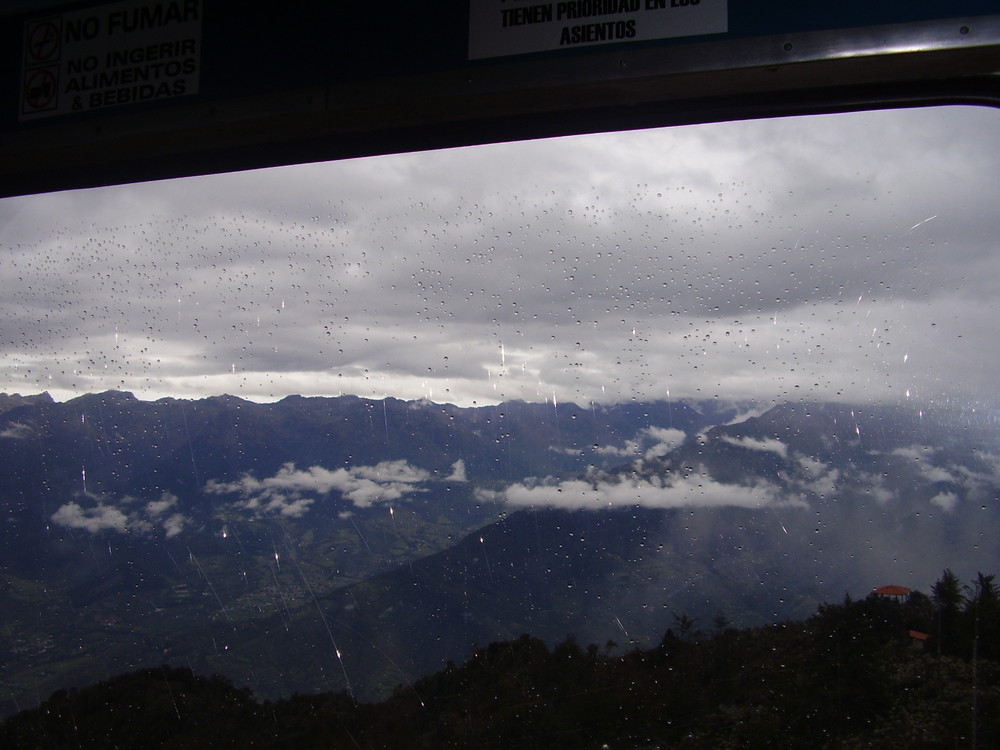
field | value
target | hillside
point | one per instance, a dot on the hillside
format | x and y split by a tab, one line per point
850	675
259	540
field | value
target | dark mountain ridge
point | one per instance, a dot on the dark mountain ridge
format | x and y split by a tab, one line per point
258	540
131	445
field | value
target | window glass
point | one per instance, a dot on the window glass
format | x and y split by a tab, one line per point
332	426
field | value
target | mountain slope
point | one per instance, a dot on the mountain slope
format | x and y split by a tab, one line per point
127	521
261	540
759	521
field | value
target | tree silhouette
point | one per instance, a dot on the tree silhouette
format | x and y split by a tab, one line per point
948	601
685	625
845	677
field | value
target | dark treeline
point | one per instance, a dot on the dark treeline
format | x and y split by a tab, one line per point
888	672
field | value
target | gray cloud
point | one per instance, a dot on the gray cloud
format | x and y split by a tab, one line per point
843	257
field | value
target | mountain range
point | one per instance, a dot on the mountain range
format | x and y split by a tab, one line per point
331	543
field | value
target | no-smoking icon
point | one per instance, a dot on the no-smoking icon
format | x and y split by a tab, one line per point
42	42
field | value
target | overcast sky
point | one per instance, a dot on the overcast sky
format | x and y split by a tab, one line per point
849	257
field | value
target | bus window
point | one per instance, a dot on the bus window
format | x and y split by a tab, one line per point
333	426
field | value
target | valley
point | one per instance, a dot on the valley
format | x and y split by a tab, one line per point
330	544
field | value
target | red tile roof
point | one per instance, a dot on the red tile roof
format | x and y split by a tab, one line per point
892	590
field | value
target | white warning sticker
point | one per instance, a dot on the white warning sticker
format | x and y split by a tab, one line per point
110	55
498	28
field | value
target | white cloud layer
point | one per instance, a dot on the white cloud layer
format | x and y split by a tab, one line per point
768	444
17	431
93	519
800	480
653	492
945	500
291	492
96	515
648	443
457	472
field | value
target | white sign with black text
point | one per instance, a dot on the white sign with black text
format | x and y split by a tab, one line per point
110	55
498	28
